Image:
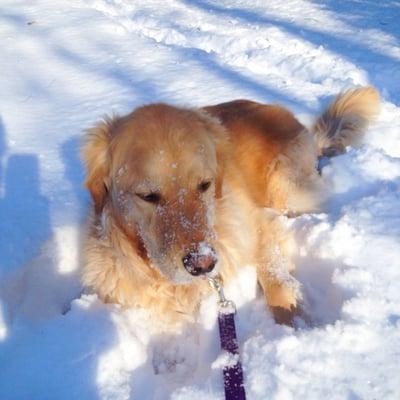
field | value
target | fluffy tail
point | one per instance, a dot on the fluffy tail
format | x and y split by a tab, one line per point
345	120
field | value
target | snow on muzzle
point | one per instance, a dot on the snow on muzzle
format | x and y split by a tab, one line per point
200	260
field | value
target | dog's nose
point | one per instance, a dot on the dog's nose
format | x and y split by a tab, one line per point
200	261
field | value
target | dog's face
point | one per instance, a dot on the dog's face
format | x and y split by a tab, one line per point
159	173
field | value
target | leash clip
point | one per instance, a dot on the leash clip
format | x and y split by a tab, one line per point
224	304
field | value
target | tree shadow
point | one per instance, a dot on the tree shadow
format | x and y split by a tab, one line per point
146	90
133	80
332	41
346	46
383	16
238	79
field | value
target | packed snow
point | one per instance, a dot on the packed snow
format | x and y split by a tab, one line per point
65	64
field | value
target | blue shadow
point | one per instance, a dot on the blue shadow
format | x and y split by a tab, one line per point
24	211
377	64
75	172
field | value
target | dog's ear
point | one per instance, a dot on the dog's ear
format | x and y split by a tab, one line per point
95	153
222	144
220	174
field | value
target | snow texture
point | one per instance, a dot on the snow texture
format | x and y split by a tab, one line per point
65	64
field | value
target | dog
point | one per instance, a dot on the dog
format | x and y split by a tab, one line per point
180	193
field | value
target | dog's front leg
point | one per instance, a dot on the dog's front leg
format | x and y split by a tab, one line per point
274	266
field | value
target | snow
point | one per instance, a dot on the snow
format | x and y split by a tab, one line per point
225	359
64	65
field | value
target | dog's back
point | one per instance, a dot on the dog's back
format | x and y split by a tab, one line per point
277	155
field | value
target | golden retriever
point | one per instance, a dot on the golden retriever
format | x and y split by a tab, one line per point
179	193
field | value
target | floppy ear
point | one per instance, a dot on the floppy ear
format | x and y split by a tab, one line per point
95	153
224	150
220	173
222	143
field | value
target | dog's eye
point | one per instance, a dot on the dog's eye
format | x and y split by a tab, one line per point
203	186
150	197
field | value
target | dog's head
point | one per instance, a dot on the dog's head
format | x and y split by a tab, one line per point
159	172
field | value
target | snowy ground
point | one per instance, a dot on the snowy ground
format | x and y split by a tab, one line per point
64	64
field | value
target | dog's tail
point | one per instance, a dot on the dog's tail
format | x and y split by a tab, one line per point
345	120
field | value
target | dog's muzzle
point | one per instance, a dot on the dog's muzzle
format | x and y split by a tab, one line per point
200	260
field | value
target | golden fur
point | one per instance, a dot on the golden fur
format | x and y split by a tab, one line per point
260	162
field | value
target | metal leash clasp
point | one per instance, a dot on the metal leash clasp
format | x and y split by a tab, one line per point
223	303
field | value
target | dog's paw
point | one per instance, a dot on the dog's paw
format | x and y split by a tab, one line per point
294	317
283	295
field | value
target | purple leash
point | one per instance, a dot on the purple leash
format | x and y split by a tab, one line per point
233	373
